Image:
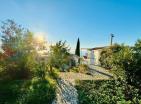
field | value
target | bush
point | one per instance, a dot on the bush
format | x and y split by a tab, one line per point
42	71
124	62
54	73
59	56
82	68
107	55
18	56
33	91
107	92
39	92
23	79
10	90
21	68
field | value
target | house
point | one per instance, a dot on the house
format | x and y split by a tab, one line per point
92	55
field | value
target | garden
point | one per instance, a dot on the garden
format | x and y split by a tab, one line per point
28	78
125	88
25	77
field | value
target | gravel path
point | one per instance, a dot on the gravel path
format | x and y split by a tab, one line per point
72	76
100	70
67	93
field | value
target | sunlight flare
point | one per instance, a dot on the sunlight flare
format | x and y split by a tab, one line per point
40	37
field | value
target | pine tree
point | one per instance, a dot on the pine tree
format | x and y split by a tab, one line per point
77	51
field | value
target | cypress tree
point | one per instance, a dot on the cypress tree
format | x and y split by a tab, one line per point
77	51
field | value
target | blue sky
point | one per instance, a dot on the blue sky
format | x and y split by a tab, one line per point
90	20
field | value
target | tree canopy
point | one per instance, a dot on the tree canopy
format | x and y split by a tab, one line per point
77	51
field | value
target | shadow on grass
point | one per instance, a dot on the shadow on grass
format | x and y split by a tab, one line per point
33	91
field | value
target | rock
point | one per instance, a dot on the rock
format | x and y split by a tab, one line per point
66	93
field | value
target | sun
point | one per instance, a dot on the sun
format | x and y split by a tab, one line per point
40	37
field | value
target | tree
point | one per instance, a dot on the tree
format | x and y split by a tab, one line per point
59	55
18	49
77	51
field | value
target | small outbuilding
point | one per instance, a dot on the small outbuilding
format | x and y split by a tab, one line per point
93	55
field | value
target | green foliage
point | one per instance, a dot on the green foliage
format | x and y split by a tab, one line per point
39	92
18	51
10	90
54	73
36	91
135	68
59	55
82	68
23	80
124	62
107	92
15	39
107	55
41	70
77	51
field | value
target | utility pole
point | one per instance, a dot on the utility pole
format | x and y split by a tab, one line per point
112	36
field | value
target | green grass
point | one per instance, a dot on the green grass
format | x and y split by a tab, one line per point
33	91
10	90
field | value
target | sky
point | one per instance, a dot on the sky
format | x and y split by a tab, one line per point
91	20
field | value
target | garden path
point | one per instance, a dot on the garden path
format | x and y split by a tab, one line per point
67	93
97	73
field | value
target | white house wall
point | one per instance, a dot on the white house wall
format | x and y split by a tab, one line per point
93	57
97	56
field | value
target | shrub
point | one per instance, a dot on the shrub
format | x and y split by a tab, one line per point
82	68
35	91
18	51
107	55
10	90
59	56
54	73
124	62
107	92
22	67
39	92
41	70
